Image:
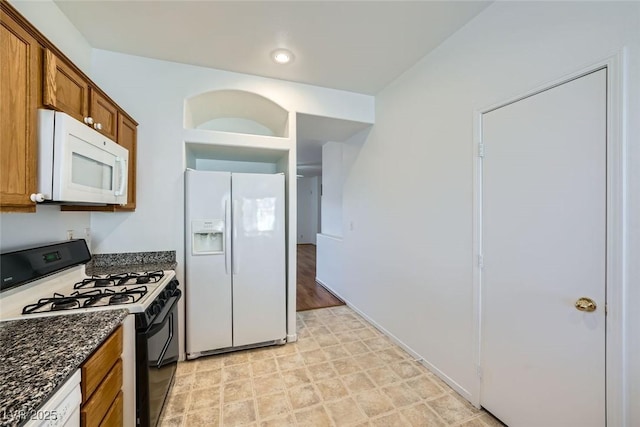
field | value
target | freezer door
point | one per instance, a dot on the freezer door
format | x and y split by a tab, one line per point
208	261
259	280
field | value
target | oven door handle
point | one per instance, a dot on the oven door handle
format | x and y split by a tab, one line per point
160	361
158	324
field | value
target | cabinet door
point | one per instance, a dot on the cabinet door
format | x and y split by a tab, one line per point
93	411
19	86
64	89
104	114
127	137
114	416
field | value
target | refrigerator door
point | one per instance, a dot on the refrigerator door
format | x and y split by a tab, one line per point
259	280
208	261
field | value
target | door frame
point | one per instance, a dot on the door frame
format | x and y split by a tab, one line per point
616	261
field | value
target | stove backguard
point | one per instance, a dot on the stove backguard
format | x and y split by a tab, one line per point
20	267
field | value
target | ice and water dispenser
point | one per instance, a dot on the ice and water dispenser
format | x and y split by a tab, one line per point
207	236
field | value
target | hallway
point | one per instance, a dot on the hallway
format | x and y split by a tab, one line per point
310	294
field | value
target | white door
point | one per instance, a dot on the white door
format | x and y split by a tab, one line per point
259	280
544	247
208	275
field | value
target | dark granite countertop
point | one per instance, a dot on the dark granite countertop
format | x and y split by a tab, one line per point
129	268
38	355
131	262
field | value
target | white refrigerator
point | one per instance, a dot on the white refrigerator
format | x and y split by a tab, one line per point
235	287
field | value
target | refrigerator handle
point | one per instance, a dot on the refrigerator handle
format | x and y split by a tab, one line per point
227	227
235	261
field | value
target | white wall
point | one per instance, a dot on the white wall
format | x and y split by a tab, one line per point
48	224
409	191
337	159
330	260
332	183
308	209
234	166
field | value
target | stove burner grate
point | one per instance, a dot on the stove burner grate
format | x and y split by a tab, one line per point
120	299
140	278
95	281
65	304
87	299
55	303
100	283
120	279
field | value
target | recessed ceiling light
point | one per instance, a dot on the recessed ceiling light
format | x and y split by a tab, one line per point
282	56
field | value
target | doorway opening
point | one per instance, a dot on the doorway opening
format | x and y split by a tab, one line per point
311	294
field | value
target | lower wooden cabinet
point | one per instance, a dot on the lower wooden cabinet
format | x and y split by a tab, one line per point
101	385
114	414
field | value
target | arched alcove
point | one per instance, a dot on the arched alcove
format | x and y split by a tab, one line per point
236	111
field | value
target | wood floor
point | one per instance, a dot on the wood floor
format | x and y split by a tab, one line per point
310	293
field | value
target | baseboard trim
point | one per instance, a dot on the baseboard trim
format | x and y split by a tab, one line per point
328	289
417	357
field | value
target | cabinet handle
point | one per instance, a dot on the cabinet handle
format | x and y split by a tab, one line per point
97	126
88	120
37	197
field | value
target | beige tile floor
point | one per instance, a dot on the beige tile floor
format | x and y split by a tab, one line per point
341	372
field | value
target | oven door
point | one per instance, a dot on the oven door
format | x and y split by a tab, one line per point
161	339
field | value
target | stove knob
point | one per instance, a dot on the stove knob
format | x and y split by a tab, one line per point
155	309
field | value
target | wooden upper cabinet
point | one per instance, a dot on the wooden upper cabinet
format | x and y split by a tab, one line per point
127	137
64	89
104	114
35	74
67	91
20	56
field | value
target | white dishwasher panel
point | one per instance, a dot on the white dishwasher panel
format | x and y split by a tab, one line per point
62	409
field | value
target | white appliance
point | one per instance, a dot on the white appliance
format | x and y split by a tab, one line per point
50	280
63	408
235	261
77	164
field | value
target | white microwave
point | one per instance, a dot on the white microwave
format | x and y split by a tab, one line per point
77	164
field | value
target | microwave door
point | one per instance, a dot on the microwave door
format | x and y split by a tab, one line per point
88	173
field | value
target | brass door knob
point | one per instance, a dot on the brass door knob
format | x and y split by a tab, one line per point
586	304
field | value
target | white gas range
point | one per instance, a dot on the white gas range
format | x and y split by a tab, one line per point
74	291
50	280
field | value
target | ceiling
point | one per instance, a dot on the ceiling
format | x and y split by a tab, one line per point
358	46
